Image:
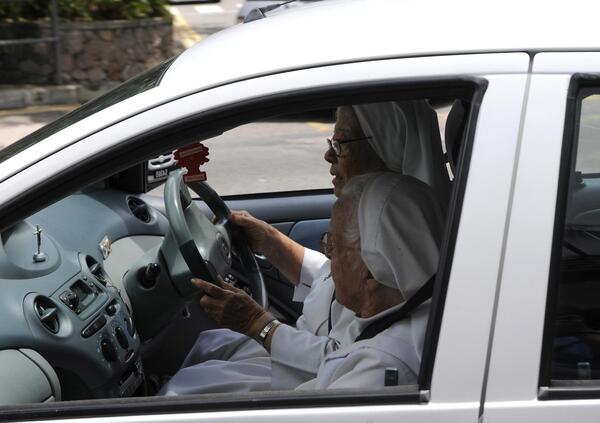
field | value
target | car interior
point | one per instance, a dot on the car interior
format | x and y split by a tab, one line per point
96	296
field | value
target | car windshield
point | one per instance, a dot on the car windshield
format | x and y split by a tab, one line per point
143	82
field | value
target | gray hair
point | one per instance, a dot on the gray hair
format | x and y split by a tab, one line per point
348	114
350	199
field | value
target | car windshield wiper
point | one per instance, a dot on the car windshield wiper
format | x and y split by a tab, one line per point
260	12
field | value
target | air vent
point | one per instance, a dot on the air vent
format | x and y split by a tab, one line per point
139	209
47	312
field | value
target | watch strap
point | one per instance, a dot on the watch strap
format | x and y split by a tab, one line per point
268	328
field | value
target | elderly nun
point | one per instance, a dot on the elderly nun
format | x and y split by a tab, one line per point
385	239
226	361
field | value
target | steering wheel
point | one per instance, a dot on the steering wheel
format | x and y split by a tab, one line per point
206	247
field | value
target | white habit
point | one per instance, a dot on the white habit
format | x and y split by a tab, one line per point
400	223
363	364
225	361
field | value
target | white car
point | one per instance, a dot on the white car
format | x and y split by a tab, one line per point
95	298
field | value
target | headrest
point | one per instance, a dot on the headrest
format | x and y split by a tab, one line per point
454	131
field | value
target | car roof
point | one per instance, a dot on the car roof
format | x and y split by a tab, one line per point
337	31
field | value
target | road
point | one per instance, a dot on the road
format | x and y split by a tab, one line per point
206	19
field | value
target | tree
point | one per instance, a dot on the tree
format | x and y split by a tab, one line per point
82	10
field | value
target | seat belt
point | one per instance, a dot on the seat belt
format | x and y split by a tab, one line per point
423	294
329	324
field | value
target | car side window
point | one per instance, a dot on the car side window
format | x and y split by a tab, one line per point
397	150
254	158
572	342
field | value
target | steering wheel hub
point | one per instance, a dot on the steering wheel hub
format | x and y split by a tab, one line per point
224	248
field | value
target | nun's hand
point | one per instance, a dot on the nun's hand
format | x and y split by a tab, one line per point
232	308
259	234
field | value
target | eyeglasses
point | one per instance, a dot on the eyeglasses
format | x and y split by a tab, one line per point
336	145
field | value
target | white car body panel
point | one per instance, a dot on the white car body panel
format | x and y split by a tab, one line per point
517	343
512	391
533	411
187	106
436	413
477	257
455	27
572	62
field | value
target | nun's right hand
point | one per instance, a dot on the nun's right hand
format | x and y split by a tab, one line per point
231	307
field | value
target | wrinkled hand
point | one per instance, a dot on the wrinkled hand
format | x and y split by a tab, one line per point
232	307
258	233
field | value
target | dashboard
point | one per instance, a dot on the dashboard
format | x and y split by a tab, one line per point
61	311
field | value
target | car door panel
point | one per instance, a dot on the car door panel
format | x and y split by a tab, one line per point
293	207
513	389
309	232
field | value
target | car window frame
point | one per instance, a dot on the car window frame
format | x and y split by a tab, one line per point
208	124
581	86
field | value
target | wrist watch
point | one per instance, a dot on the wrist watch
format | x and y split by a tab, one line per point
268	328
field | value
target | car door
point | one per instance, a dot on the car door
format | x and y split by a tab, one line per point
542	357
455	356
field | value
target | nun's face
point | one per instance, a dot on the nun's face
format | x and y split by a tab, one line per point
354	158
348	271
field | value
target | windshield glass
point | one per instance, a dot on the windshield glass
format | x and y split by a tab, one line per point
143	82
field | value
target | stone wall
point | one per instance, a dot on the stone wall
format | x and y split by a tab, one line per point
92	53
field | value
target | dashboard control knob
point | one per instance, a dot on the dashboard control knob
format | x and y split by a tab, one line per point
121	337
108	350
111	309
71	300
149	274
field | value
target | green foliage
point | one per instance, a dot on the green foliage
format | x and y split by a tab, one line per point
82	10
